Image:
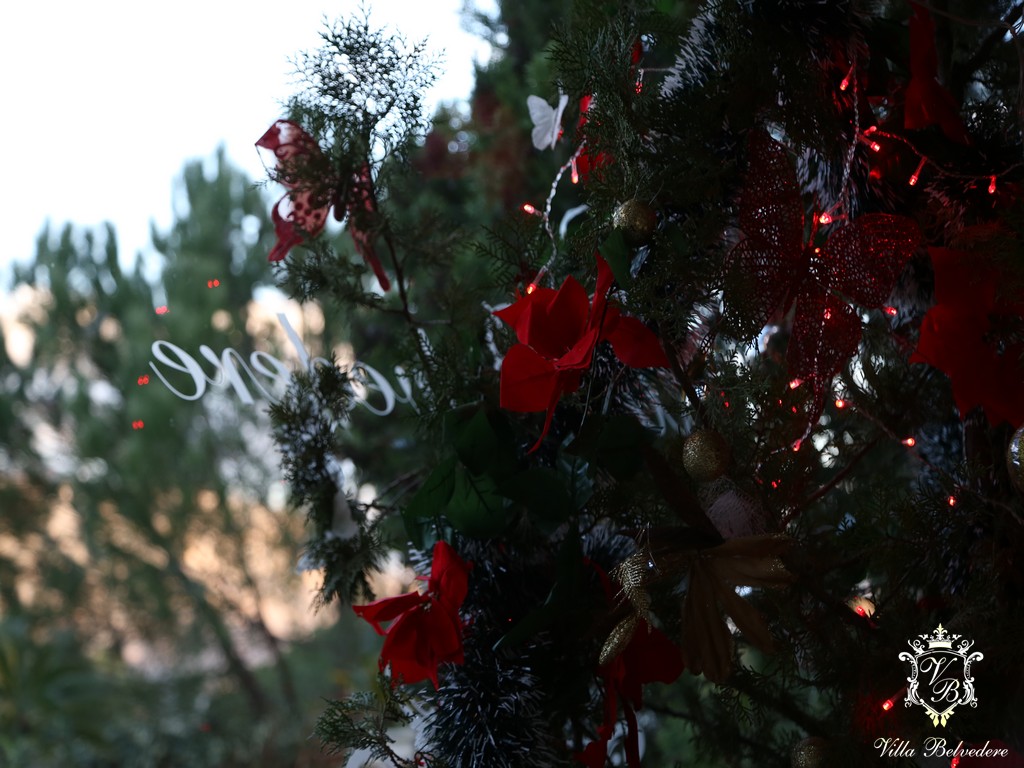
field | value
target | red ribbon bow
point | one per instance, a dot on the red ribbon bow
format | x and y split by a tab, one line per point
312	189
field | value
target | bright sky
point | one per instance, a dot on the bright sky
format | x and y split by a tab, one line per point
105	100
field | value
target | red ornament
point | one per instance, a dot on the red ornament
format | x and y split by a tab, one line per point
427	631
558	331
970	336
928	102
313	187
771	268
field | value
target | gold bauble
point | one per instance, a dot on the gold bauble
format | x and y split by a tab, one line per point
636	220
705	455
809	753
1015	459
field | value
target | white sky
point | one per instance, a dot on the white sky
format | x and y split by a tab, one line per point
105	100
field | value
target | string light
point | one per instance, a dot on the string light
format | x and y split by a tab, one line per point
527	208
795	383
891	701
873	131
825	218
951	501
909	442
845	83
955	761
212	283
840	403
574	173
890	311
143	380
162	309
138	424
912	181
531	288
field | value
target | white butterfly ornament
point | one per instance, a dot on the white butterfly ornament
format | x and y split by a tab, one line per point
547	120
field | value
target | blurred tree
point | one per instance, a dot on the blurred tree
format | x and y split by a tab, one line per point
136	522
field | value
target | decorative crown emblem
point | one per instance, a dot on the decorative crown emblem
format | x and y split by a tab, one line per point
940	677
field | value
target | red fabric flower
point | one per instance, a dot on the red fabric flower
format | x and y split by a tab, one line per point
585	163
771	268
427	631
312	189
558	331
973	335
650	657
928	102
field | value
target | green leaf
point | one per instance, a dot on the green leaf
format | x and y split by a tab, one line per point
476	508
542	491
615	444
483	441
617	254
430	500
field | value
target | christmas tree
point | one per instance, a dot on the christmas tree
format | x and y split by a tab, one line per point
711	320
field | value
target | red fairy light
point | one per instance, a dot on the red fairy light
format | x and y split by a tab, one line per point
825	218
954	762
991	185
775	483
138	424
143	380
951	501
917	172
887	705
527	208
796	445
574	172
891	311
909	442
162	309
874	145
213	283
531	288
840	403
845	82
795	383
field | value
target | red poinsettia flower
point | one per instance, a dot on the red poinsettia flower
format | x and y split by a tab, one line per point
312	189
973	335
426	630
558	331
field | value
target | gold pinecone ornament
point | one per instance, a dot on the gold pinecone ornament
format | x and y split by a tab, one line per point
705	455
1015	459
809	753
636	220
